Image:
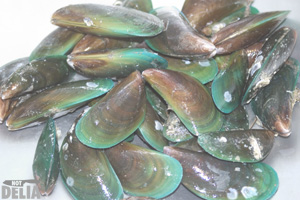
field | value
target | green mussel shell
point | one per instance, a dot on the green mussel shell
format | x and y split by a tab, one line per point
179	39
115	63
236	120
232	17
276	50
274	104
238	146
56	101
200	13
116	116
104	20
96	43
188	98
86	172
211	178
38	74
228	87
174	130
247	31
152	129
142	5
157	103
144	172
59	42
202	70
46	159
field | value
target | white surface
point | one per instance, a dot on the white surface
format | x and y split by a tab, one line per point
23	24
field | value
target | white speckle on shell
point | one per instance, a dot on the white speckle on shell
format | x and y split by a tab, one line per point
227	96
232	194
92	84
249	192
70	181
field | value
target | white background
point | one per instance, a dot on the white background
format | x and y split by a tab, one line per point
23	24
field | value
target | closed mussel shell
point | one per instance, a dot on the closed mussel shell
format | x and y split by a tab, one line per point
144	172
36	75
239	145
105	20
116	116
211	178
179	39
275	51
274	104
200	13
58	42
188	98
228	87
115	63
152	129
86	172
247	31
56	101
46	159
202	70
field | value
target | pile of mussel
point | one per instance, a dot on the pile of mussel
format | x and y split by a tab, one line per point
180	80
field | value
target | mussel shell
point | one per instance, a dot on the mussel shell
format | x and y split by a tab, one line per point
238	146
152	129
56	101
232	17
144	172
46	159
188	98
86	172
276	50
105	20
174	130
96	43
179	39
157	103
116	116
142	5
115	63
58	42
202	70
247	31
38	74
228	87
211	178
274	104
200	13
